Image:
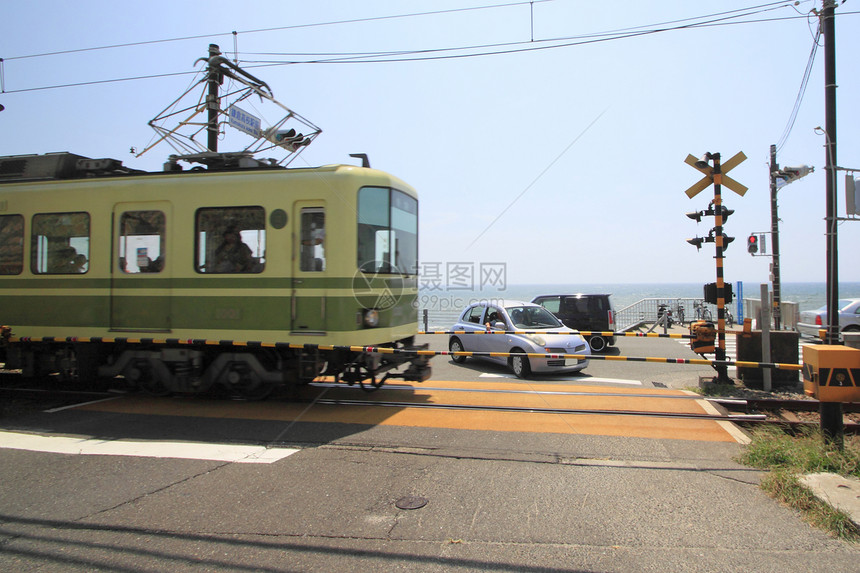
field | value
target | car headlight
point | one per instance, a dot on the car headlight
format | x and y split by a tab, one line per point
537	339
371	317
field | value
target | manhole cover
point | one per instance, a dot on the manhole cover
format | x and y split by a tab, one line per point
411	502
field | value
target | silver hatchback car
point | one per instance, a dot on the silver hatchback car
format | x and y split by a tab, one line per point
811	321
550	337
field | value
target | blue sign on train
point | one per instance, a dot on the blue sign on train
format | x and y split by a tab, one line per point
244	121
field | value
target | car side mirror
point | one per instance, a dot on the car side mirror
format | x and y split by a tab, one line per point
499	325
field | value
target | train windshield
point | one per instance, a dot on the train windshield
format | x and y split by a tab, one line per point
387	231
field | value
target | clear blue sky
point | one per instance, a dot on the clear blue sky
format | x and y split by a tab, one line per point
566	163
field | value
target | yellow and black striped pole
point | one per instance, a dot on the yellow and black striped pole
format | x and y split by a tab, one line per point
719	238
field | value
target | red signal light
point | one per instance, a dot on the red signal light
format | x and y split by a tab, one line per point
752	244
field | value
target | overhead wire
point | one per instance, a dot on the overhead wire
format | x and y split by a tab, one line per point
717	19
276	29
801	91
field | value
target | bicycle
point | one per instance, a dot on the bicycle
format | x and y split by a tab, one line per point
664	315
681	317
730	319
702	312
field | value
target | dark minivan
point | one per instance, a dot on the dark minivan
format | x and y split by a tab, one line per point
583	312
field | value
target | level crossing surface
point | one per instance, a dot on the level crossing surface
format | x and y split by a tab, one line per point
370	495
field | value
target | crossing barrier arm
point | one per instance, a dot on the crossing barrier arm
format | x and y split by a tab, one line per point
580	332
390	350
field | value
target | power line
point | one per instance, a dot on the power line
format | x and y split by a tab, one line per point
769	6
416	55
801	92
277	29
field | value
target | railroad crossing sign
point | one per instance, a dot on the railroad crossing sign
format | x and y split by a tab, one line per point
720	178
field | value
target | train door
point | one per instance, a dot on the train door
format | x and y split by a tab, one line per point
141	269
309	268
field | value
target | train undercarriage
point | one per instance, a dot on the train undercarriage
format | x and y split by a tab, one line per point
250	372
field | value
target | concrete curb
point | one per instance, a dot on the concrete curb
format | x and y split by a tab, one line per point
837	491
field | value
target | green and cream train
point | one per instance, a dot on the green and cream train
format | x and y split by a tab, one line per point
247	278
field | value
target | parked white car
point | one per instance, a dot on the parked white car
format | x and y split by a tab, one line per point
811	321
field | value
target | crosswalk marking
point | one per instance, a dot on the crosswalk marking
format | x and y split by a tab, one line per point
155	449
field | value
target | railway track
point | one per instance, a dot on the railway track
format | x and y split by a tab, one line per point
753	412
792	415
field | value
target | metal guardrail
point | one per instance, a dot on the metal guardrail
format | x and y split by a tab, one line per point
645	311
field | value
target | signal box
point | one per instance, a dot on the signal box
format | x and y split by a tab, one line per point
831	373
704	334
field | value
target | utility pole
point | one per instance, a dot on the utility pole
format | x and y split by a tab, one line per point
831	412
774	235
828	29
212	100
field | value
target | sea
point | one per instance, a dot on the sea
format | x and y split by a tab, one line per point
443	305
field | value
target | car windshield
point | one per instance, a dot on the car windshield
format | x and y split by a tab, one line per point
532	317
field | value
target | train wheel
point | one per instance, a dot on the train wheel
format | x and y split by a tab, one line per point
359	373
256	392
152	384
248	385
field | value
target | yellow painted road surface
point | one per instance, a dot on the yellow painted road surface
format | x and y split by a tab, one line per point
495	394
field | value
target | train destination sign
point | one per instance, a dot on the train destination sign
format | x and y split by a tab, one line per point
244	121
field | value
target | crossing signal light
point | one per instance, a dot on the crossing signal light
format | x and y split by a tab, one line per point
725	212
726	241
710	293
752	244
697	242
710	212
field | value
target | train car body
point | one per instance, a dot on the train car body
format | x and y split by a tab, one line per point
246	278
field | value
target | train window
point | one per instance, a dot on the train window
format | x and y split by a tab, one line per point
387	231
230	240
60	243
313	240
11	244
141	242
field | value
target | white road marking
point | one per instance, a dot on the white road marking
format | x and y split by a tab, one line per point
179	450
611	381
567	379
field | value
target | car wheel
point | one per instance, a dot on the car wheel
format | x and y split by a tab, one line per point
456	346
597	343
520	365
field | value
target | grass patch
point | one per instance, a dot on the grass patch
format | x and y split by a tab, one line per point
788	457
